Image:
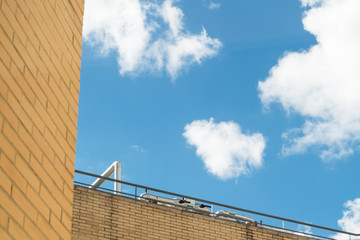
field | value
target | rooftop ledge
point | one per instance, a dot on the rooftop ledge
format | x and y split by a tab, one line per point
171	210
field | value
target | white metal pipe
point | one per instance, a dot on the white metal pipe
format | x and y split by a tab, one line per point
114	168
117	176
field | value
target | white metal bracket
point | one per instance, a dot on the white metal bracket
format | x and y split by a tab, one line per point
114	168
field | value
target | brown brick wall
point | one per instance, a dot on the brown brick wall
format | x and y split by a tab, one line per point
100	215
40	53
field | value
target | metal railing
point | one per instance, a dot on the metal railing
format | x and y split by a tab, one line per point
114	168
136	196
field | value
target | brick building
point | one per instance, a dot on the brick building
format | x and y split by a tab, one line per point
102	215
40	54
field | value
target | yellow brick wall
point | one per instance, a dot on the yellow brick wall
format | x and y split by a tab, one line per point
40	53
100	215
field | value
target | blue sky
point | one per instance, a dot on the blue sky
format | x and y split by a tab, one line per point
248	103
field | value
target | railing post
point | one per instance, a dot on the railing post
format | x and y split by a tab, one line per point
115	169
117	176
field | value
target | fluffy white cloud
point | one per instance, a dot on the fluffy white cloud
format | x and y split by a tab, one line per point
350	222
224	149
322	83
146	35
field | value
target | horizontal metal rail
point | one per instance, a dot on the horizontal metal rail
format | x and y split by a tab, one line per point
293	231
220	204
105	189
261	225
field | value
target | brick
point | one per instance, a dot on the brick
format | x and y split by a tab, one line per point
43	144
33	230
33	42
69	150
35	86
47	91
4	56
47	61
69	70
11	208
66	220
38	203
59	95
59	227
69	97
78	12
21	17
21	115
70	165
40	172
11	18
5	235
57	119
19	78
23	203
12	5
23	7
1	122
7	30
42	118
27	173
16	141
8	80
75	67
39	79
68	123
4	218
3	89
77	44
31	48
6	147
58	19
47	197
9	168
44	43
20	47
6	183
73	115
47	229
53	173
65	173
6	111
69	192
29	142
49	137
65	204
94	217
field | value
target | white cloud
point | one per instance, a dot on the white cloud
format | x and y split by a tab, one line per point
350	222
146	35
213	5
137	148
322	84
224	149
310	3
305	229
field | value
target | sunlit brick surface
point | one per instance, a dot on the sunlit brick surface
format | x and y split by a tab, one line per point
100	215
40	53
